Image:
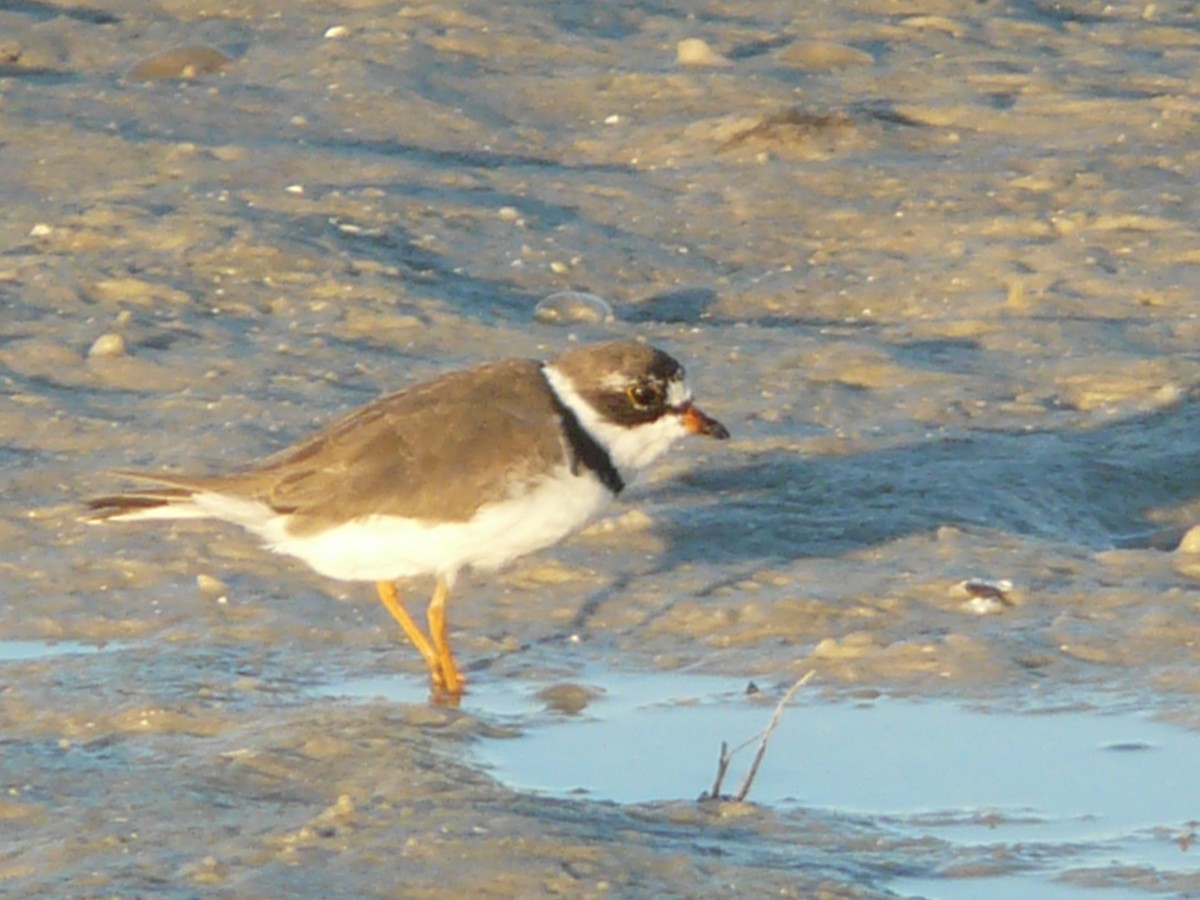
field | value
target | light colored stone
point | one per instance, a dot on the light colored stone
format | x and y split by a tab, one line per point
107	345
1190	543
697	52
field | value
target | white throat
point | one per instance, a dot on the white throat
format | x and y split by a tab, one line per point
631	449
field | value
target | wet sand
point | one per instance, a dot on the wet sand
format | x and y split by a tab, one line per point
932	265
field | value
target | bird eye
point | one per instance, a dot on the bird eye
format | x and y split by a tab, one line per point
644	396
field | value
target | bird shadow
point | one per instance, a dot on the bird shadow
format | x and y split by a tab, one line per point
1091	487
1094	487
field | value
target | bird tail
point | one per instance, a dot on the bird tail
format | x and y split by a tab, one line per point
171	497
169	503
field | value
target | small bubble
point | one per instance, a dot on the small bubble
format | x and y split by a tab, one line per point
573	307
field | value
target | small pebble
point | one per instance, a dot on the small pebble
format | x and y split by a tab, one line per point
571	307
697	52
336	31
985	596
992	589
210	586
1190	542
41	229
107	345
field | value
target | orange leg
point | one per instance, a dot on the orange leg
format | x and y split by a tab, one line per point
390	599
452	678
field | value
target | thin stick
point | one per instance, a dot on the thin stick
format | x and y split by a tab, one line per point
766	735
722	767
723	761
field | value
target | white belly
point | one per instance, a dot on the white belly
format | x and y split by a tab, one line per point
383	548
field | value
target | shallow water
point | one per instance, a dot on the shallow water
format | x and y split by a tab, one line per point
1062	789
23	651
932	263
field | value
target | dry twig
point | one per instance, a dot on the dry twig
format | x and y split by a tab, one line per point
762	737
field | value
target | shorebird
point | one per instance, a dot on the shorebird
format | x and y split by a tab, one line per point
469	470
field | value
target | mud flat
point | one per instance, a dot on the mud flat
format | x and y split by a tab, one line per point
932	265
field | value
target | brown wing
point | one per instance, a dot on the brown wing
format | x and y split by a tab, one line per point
437	450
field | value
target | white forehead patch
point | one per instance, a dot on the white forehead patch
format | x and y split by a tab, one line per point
678	393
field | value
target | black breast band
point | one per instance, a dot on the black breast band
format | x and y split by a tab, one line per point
586	451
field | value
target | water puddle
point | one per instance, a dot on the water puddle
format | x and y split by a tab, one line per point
1075	790
32	650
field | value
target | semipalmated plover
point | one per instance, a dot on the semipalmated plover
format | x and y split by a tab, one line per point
471	469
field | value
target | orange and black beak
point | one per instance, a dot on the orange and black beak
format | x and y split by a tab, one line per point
697	422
